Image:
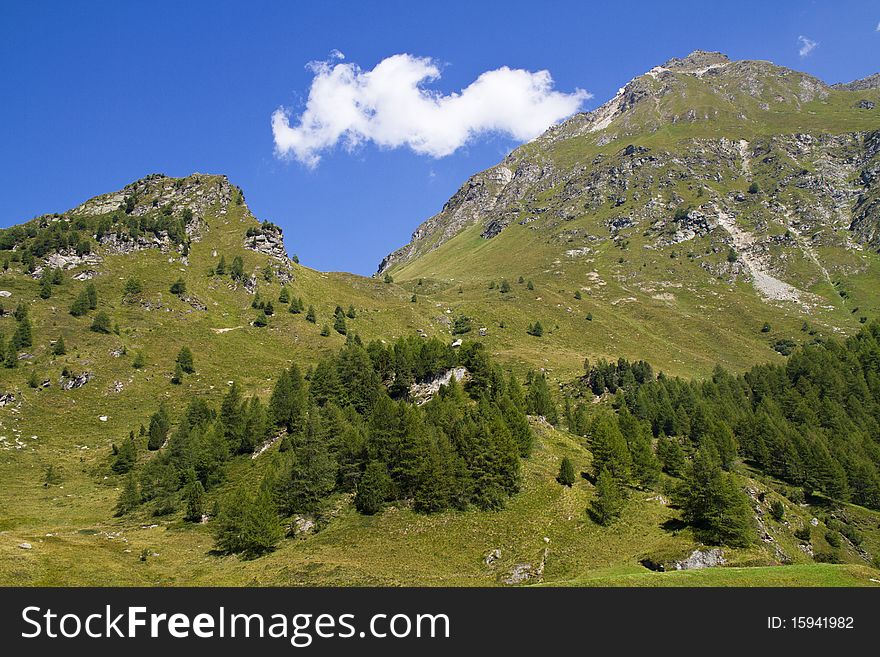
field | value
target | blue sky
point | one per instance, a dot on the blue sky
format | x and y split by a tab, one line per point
99	94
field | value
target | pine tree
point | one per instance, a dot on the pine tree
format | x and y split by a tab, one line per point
129	498
312	475
256	425
185	360
11	355
538	400
373	488
645	466
609	448
325	330
220	269
45	288
713	503
777	510
159	426
505	286
92	296
339	323
566	472
101	323
351	313
125	457
310	315
284	295
671	456
194	494
80	305
287	405
237	269
247	525
59	348
232	419
178	287
177	375
132	287
139	361
23	336
610	499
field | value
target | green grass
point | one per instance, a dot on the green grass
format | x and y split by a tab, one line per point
795	575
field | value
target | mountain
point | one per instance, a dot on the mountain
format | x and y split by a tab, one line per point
708	196
632	232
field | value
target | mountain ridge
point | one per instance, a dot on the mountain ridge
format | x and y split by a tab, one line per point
767	85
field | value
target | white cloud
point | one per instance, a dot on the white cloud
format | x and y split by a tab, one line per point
878	28
391	106
807	45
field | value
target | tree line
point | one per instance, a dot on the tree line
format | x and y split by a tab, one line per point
813	422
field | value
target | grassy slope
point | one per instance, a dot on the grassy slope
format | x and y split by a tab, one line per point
656	304
76	541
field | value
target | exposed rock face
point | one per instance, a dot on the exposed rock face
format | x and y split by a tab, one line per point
194	301
76	382
197	193
69	259
702	559
303	526
423	392
267	239
492	557
870	82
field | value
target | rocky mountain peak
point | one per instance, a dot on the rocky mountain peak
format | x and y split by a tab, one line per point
157	191
870	82
734	121
698	59
153	212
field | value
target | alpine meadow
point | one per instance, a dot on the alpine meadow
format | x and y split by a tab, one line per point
641	350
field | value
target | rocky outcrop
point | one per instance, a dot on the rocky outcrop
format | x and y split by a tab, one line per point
425	391
77	381
521	573
702	559
870	82
197	193
267	238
